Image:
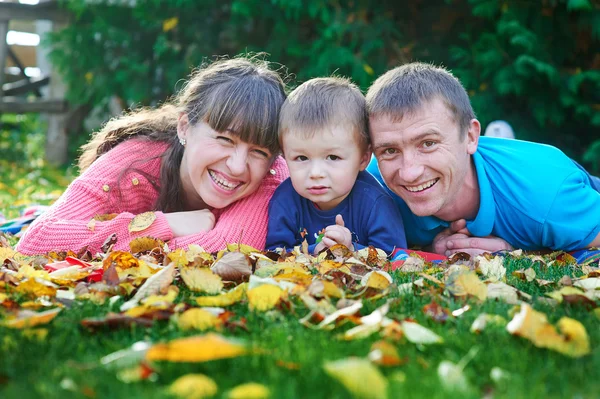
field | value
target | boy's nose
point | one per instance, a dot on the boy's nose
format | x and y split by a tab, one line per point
316	171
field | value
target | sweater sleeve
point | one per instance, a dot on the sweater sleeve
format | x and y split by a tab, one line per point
386	229
245	221
282	224
67	224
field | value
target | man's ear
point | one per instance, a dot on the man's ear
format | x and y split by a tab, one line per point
183	124
473	136
366	158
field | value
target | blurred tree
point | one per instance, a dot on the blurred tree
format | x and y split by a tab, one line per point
533	64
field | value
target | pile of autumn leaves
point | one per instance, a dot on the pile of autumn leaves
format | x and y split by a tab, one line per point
332	287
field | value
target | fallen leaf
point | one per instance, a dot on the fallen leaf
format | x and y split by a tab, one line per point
197	319
417	334
242	248
264	297
28	318
465	283
121	259
141	222
385	354
484	319
377	279
436	312
249	390
233	296
359	376
144	244
201	279
35	287
193	386
233	266
155	284
201	348
491	268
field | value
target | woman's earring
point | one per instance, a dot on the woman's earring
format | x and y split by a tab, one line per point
182	141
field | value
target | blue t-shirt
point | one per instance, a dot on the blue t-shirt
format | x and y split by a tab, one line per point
368	212
531	195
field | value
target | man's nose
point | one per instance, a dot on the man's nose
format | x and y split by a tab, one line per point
237	161
411	169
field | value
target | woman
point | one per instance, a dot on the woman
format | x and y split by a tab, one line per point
206	164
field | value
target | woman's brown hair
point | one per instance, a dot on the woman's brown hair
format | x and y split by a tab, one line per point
242	94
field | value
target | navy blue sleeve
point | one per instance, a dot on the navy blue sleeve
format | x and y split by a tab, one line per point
282	228
386	229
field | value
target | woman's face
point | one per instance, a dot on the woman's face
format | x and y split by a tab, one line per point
218	168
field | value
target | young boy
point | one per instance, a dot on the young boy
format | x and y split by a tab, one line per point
329	198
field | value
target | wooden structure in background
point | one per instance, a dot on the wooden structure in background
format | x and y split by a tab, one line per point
12	98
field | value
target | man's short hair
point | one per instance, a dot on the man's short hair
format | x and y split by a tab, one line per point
323	103
406	88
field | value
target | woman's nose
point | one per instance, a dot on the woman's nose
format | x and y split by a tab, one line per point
237	161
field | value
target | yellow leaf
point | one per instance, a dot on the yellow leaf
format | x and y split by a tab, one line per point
169	24
231	297
178	257
377	279
29	319
193	386
359	376
264	297
121	259
6	253
201	348
384	354
250	390
197	319
27	271
142	244
460	283
243	248
493	269
201	279
417	334
35	287
368	69
141	222
37	334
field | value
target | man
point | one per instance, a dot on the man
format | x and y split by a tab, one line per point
458	191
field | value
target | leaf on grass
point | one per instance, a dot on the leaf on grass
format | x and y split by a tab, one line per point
574	295
126	358
201	348
233	296
197	319
264	297
436	312
155	284
193	386
37	287
534	326
141	222
484	319
249	390
201	279
359	376
233	266
377	279
464	283
417	334
27	318
525	274
588	284
505	292
491	268
385	354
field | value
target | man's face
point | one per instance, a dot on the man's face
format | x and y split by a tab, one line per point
425	160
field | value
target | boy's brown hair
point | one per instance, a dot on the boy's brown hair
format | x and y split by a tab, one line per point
321	103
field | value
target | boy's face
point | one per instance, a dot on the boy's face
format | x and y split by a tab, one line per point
324	167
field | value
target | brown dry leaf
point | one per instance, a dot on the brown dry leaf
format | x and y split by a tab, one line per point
197	319
141	222
143	244
264	297
27	318
328	265
233	266
534	326
460	283
200	348
249	390
385	354
193	386
360	377
233	296
201	279
121	259
436	312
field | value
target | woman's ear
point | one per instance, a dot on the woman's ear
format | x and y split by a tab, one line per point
183	124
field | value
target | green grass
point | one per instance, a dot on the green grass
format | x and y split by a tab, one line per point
66	364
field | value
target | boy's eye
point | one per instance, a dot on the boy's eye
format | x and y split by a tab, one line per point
333	157
301	158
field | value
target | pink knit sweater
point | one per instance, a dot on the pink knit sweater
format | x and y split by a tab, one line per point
66	225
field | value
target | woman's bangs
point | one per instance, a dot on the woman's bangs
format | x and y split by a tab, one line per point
249	110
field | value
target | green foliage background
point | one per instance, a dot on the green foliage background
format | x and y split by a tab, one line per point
535	64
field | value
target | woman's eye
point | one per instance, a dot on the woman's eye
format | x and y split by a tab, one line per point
225	139
333	157
262	153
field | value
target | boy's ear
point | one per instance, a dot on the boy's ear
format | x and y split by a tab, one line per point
366	158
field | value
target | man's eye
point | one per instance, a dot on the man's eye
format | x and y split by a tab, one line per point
333	157
428	144
389	151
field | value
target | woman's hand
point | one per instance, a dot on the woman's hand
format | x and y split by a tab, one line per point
191	222
336	234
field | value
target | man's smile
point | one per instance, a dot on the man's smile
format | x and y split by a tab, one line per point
422	187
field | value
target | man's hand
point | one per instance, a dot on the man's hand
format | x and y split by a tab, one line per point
191	222
457	238
335	234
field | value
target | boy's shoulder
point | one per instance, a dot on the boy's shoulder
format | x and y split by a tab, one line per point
285	190
367	185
